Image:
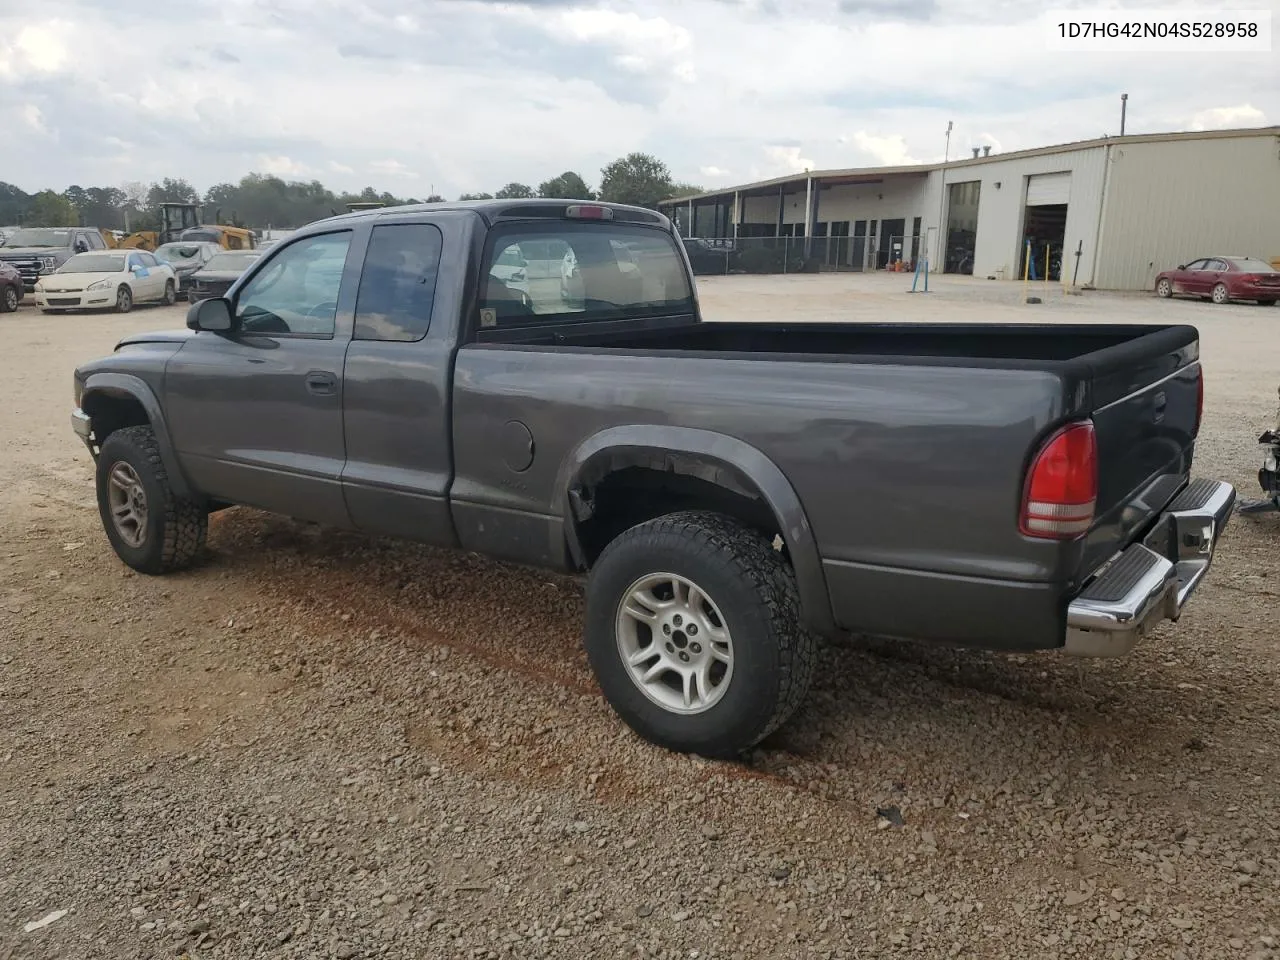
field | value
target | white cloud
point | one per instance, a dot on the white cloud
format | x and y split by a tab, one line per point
1244	115
714	172
34	119
784	160
336	167
392	168
282	166
38	47
883	151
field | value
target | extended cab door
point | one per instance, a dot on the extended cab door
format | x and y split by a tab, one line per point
256	414
396	399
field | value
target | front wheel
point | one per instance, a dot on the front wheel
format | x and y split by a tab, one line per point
149	527
124	299
1164	288
9	299
1220	294
170	293
693	632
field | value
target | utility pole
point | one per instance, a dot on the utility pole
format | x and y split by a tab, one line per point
942	201
1124	102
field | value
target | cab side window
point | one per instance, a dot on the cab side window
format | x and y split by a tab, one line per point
398	282
297	291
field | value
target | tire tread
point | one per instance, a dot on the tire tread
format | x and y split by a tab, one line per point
752	558
186	524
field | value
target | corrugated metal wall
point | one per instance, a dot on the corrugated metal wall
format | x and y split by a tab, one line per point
1171	202
999	237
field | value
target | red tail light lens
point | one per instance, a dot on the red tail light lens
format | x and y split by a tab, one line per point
1062	485
587	211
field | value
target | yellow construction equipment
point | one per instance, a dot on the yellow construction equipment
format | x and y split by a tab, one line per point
181	221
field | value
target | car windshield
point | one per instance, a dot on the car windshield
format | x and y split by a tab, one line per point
230	262
40	237
1253	266
178	252
94	263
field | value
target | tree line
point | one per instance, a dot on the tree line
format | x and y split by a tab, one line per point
262	200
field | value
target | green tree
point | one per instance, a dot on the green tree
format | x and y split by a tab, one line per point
51	209
170	190
514	191
567	186
684	190
476	196
434	198
14	202
637	178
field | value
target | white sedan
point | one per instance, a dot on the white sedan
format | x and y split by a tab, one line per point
107	279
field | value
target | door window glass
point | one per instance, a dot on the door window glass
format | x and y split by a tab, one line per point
297	291
398	283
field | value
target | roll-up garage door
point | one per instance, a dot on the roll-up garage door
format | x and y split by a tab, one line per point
1048	188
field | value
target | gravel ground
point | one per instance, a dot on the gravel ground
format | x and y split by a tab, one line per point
318	745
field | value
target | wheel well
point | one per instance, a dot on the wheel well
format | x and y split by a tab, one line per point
110	412
631	494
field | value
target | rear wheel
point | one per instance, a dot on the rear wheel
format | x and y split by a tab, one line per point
149	527
9	299
1164	288
1266	303
124	299
1220	294
693	632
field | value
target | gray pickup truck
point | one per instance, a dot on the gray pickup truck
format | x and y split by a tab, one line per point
733	491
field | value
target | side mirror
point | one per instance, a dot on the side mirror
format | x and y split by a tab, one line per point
1182	266
81	246
213	315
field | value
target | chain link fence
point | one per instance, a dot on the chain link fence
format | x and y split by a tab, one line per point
762	255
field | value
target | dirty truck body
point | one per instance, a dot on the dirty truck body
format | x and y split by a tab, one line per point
733	490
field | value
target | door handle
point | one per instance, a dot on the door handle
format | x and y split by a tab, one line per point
321	382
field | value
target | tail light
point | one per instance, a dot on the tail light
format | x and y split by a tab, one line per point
588	211
1062	485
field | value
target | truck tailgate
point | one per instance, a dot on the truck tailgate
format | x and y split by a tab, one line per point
1145	419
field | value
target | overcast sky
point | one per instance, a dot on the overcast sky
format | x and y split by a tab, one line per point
466	95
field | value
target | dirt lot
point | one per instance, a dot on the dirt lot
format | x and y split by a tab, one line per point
317	745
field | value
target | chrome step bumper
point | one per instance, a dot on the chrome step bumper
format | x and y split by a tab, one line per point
1151	581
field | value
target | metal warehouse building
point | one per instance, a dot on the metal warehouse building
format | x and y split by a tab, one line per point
1129	207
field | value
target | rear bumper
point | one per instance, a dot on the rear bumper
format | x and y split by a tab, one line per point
1151	581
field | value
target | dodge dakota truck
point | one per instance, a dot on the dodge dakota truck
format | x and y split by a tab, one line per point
732	492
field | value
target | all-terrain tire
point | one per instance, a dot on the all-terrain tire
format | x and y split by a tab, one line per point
752	585
175	530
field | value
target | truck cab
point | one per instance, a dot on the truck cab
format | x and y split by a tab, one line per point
37	251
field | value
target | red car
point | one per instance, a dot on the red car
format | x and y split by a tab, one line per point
10	287
1223	279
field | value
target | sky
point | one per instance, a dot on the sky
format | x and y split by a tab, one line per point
453	96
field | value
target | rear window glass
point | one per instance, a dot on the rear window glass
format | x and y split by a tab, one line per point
1253	266
567	271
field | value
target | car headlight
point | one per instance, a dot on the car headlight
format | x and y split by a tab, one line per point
46	263
99	285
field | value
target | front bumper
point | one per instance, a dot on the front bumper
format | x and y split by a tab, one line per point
83	427
82	299
1151	581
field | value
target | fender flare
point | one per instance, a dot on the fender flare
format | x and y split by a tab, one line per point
135	388
740	462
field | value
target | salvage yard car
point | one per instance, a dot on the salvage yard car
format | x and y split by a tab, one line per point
109	279
186	258
219	272
10	287
731	490
1222	280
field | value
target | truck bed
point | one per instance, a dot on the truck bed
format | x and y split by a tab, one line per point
907	443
